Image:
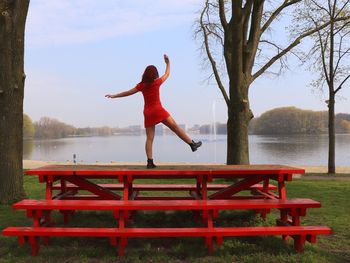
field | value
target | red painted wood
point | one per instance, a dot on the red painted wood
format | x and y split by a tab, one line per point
165	171
82	197
237	187
167	187
93	188
48	190
164	204
151	198
167	232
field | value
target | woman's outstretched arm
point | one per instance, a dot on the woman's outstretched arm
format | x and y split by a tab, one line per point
167	70
122	94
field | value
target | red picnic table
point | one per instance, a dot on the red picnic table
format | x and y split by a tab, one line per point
242	177
124	195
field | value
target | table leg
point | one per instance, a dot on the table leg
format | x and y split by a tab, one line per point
204	189
284	219
132	194
37	215
48	219
299	242
63	186
126	189
34	244
122	244
209	239
198	187
266	185
48	190
282	190
122	218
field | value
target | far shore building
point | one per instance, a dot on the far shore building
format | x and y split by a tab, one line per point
135	129
159	129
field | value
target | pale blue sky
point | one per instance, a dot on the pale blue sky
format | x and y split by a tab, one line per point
78	51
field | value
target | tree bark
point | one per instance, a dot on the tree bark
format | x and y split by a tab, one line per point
331	102
13	15
239	116
331	136
239	113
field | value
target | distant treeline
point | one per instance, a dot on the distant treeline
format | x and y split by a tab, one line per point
291	120
48	128
287	120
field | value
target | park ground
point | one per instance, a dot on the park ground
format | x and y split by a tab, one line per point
333	193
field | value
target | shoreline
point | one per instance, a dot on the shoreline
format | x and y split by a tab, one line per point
32	164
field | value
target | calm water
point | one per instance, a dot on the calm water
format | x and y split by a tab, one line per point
292	149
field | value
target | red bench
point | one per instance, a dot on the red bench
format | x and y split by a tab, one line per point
299	233
39	209
36	209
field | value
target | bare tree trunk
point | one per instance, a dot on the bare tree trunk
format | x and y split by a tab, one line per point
12	24
237	136
238	108
331	136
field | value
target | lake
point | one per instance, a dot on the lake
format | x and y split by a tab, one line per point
286	149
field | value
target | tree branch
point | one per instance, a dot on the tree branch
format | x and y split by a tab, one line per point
342	27
341	84
247	10
285	4
211	59
323	50
340	55
254	35
321	7
342	8
222	14
294	44
255	23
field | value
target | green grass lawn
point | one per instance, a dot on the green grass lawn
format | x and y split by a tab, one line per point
335	212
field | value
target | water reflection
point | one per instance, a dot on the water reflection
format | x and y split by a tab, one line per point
291	149
286	149
28	147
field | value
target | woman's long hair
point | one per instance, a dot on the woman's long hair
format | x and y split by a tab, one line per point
150	74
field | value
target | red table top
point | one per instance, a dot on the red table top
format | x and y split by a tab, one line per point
164	170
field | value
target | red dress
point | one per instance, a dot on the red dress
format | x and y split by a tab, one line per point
153	110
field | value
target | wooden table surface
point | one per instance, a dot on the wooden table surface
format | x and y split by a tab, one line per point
165	169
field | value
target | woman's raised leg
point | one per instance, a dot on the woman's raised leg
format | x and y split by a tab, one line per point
172	125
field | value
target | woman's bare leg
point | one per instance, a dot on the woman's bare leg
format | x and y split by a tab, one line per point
172	125
149	141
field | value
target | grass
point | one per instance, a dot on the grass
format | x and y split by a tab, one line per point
338	175
335	212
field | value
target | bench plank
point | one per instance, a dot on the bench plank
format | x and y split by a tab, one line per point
165	187
168	232
165	204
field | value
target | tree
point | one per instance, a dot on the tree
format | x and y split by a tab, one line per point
242	39
329	54
28	127
13	15
290	120
48	128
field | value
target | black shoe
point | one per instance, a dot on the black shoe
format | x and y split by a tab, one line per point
195	145
150	164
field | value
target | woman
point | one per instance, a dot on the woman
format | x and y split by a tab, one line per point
154	112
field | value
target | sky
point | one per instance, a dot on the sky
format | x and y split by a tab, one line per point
79	51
